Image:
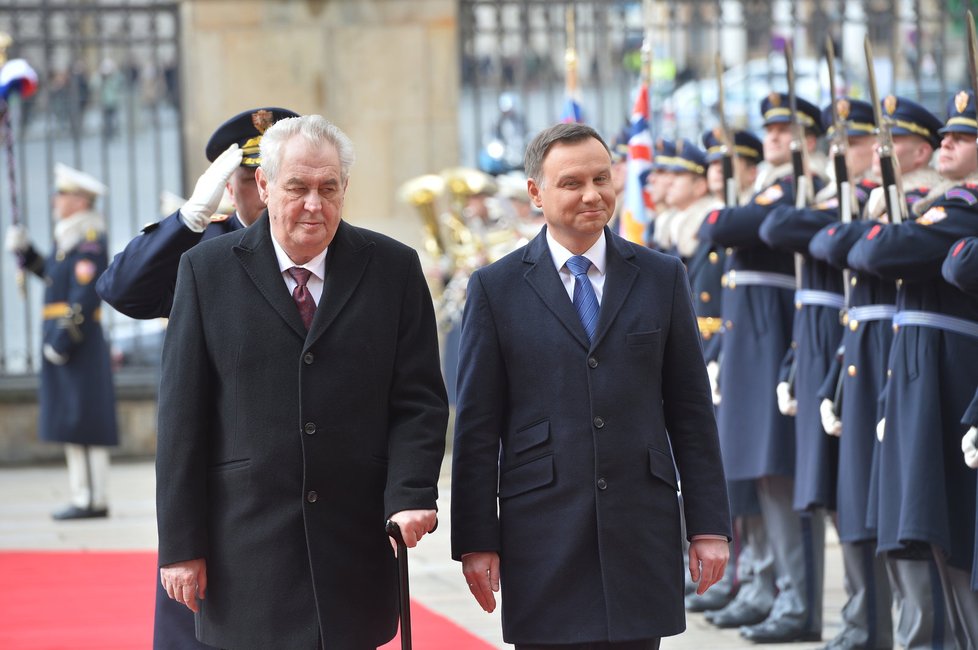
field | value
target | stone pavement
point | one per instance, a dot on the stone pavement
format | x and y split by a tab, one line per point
28	495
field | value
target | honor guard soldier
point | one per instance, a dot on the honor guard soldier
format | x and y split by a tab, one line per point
757	440
850	406
749	583
77	398
817	334
961	269
657	182
925	500
141	279
688	196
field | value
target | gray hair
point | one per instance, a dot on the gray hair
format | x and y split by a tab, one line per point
537	150
317	130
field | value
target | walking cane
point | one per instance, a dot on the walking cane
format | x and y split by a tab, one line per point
402	584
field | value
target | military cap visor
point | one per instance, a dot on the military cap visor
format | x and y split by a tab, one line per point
961	117
746	146
775	109
245	129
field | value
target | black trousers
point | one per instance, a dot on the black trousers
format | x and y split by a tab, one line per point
644	644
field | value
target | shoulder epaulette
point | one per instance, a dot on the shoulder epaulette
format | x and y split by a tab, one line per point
965	193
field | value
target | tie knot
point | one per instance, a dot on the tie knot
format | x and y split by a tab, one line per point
578	265
300	275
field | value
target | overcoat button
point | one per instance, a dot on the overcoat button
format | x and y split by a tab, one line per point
308	358
592	362
312	496
602	484
598	422
310	428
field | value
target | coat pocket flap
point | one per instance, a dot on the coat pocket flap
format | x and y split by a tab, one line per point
642	338
531	436
528	476
662	467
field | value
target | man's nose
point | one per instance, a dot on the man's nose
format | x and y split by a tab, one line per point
313	202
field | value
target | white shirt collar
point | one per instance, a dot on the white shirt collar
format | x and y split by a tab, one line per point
597	253
317	265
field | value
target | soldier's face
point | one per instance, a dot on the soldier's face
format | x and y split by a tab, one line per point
957	157
685	189
244	191
911	151
714	177
66	204
777	143
305	200
576	193
860	153
659	187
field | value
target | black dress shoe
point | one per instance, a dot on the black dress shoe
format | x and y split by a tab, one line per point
74	512
776	631
736	614
707	602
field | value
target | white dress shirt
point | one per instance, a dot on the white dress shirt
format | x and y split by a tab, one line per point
597	255
316	266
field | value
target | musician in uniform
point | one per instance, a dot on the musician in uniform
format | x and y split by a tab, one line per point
141	280
857	379
925	499
817	335
77	397
757	440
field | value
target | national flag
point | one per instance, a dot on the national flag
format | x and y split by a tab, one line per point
635	217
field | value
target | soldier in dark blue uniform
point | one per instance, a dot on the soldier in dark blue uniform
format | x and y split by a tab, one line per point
850	408
77	399
141	279
657	181
961	269
925	498
756	439
817	334
752	574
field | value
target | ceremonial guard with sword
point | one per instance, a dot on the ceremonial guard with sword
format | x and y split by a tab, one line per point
756	439
850	404
926	501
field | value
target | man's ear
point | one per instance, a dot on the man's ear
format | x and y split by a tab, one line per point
262	182
534	191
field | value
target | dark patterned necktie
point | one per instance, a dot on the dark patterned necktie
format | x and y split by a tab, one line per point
303	299
585	301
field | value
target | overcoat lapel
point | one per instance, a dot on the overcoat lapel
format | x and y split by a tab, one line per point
347	259
257	256
545	281
619	278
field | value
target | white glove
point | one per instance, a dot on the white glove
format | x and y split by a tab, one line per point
831	423
968	446
16	240
197	211
787	404
881	429
713	372
53	356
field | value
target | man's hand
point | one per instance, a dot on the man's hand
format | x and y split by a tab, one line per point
53	356
414	524
481	571
830	422
200	207
707	562
185	582
16	240
787	404
713	372
970	448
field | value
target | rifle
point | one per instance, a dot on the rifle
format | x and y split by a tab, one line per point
646	74
731	187
896	204
972	54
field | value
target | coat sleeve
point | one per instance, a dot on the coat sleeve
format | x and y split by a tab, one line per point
479	423
833	242
960	267
141	279
788	228
690	421
185	420
741	226
418	406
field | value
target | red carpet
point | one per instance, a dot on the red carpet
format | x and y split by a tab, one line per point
102	601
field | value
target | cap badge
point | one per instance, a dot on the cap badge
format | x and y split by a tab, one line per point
961	101
890	104
775	99
842	108
262	120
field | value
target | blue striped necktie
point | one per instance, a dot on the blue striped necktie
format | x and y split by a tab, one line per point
585	301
